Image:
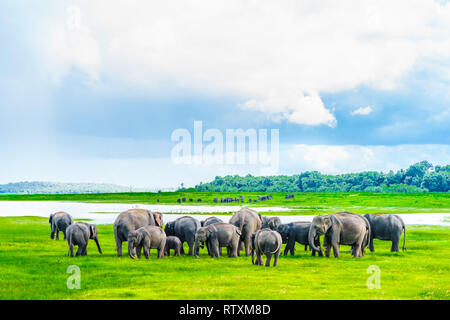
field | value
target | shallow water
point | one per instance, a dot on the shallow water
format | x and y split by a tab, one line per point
106	213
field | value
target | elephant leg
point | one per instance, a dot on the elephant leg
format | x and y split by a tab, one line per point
268	258
327	250
371	247
306	247
259	258
79	250
275	262
119	247
161	251
64	233
191	247
335	250
57	234
394	247
71	249
85	250
247	244
182	248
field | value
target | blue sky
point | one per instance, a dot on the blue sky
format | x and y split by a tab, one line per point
92	92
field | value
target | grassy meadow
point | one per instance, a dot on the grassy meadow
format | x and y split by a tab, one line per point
302	203
32	266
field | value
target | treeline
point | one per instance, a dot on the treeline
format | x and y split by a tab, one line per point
419	177
40	187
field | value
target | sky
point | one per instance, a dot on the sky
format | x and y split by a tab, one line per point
92	91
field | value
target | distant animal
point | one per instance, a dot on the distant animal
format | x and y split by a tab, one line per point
340	228
183	199
216	200
270	222
146	238
268	242
59	221
199	200
248	221
386	226
174	243
179	200
297	232
184	228
190	200
78	234
131	220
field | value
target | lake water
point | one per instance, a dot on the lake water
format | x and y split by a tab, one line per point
106	213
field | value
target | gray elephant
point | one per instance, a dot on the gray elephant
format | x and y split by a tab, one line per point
59	221
386	226
131	220
209	221
173	243
271	222
216	236
268	242
297	232
78	234
248	222
184	228
340	228
148	237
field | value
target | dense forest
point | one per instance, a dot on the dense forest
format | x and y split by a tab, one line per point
55	187
419	177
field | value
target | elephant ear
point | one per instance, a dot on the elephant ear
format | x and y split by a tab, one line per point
158	219
335	223
211	230
93	230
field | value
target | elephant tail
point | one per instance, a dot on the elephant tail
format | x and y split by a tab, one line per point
404	237
278	247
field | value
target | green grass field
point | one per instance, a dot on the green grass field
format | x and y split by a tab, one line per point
303	203
32	266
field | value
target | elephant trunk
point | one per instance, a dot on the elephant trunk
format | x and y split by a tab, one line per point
131	250
98	245
196	248
311	237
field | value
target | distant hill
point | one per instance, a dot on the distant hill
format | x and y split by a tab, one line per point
58	187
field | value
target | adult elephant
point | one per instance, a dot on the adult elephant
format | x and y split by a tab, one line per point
297	232
248	222
271	222
386	226
59	221
216	236
184	228
268	242
132	220
340	228
78	234
210	220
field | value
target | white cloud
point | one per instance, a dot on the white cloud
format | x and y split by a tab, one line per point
363	111
278	56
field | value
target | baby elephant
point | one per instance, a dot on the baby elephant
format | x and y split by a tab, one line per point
148	237
268	242
174	243
78	234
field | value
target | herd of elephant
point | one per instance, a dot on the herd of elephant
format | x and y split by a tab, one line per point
247	229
